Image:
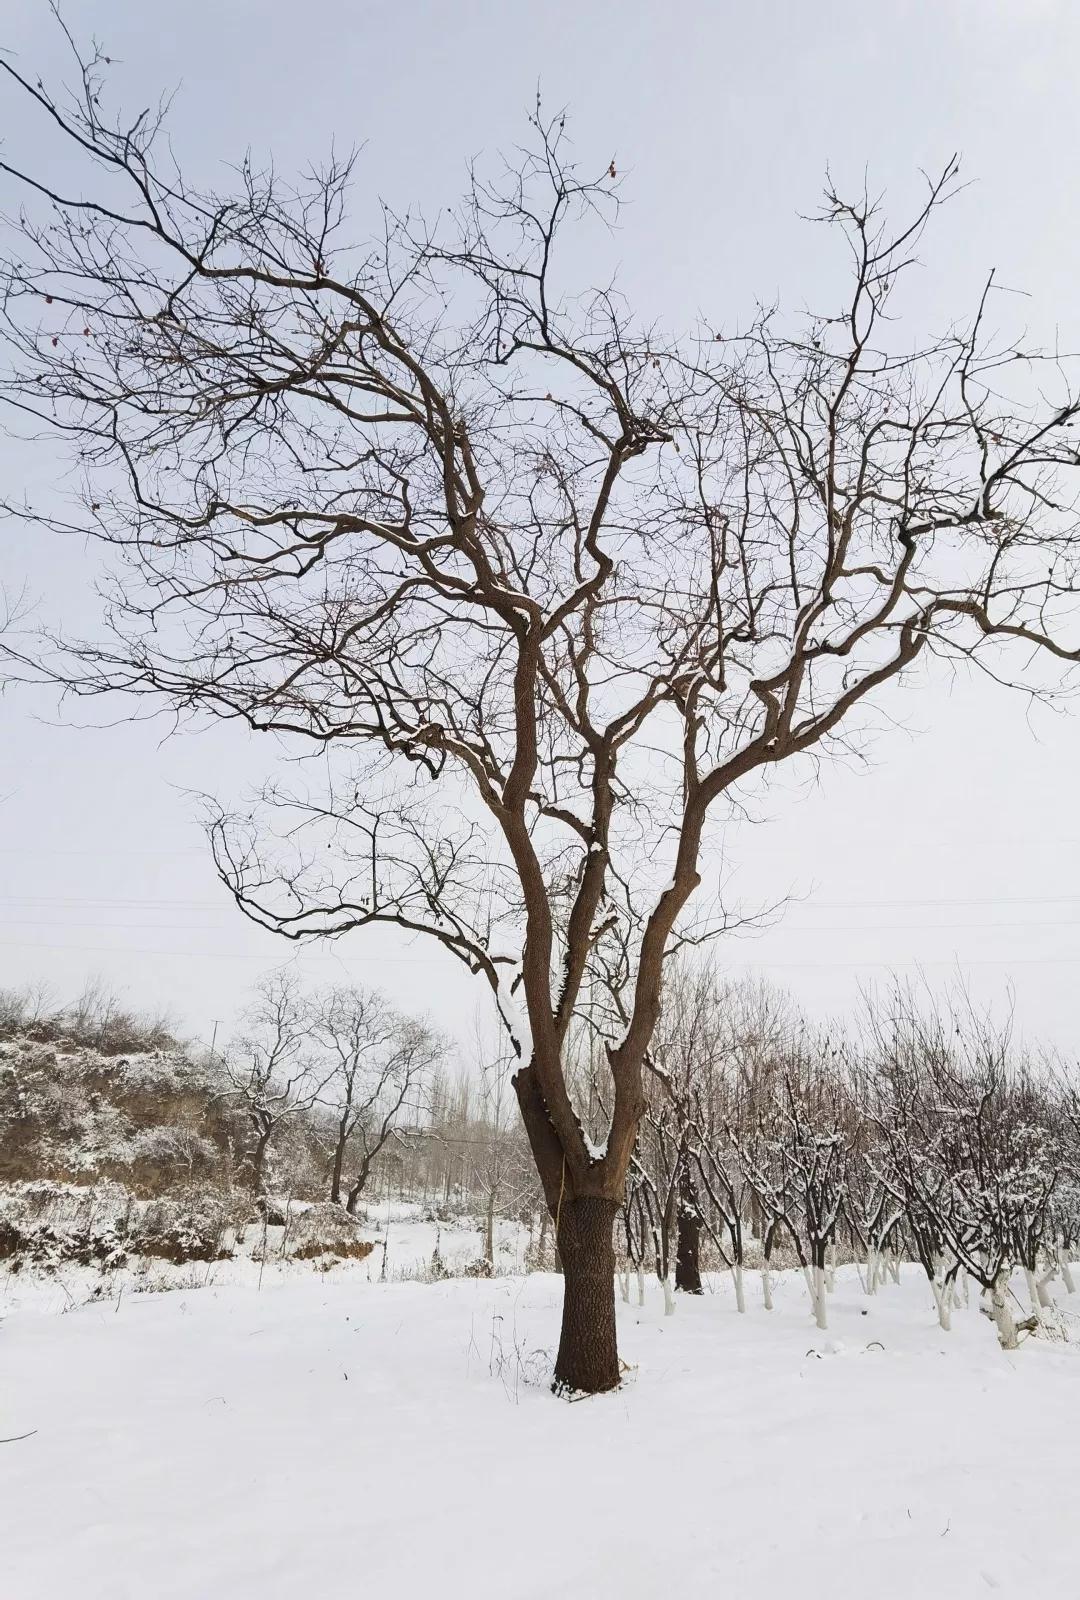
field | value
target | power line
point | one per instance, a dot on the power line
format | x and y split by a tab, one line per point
214	955
778	927
168	904
238	955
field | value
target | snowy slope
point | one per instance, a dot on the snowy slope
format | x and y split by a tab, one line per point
331	1437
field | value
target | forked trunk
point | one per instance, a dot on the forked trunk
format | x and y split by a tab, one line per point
687	1253
588	1359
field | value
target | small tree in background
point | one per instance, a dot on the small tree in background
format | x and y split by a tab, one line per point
375	1067
270	1068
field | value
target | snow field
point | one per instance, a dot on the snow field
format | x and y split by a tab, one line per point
331	1437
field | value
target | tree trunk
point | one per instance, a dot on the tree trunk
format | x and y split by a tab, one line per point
1001	1312
358	1188
258	1164
737	1279
489	1230
339	1163
588	1359
687	1262
541	1249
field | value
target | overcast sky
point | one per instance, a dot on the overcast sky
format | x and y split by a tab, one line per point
958	851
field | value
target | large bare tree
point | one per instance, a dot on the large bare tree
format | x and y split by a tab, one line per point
548	588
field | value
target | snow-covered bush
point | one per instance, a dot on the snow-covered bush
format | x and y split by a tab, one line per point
324	1230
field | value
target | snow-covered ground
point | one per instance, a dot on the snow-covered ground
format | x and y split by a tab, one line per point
331	1437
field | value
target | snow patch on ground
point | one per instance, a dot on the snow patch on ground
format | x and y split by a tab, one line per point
330	1436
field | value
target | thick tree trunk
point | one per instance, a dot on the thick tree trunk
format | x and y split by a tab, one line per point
588	1359
687	1251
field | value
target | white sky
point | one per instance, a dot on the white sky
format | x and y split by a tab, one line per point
960	850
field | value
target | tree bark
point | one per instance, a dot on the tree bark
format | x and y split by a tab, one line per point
687	1262
339	1164
357	1188
489	1230
588	1359
258	1163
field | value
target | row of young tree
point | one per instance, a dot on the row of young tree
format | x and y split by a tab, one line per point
925	1134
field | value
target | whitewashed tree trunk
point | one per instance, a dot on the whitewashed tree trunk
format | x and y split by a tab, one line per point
1046	1299
1035	1295
1004	1321
815	1283
624	1284
766	1286
740	1295
641	1286
830	1268
943	1301
1066	1270
669	1295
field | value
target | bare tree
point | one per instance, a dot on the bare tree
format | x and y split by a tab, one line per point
553	589
375	1068
269	1067
502	1171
